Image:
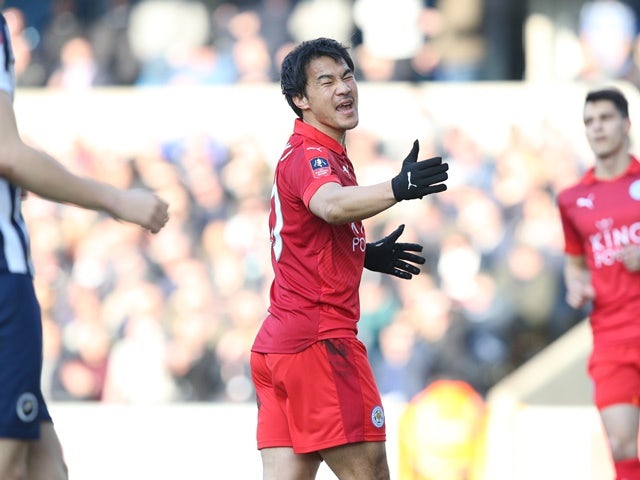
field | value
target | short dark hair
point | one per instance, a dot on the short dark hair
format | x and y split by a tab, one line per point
293	73
613	95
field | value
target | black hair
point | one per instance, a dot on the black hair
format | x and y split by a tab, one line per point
293	73
611	94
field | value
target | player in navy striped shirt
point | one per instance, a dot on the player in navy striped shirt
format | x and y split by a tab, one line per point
29	445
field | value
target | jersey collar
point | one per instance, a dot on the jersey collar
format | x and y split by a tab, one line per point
306	130
633	168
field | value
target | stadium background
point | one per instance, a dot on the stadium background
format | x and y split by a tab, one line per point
147	338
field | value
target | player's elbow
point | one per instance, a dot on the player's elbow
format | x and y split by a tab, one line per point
330	203
328	209
334	215
8	163
5	171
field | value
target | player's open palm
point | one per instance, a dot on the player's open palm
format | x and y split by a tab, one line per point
143	208
419	178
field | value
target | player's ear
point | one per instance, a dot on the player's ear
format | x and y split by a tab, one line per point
301	102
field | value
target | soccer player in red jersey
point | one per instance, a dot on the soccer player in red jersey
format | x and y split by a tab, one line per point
601	221
317	398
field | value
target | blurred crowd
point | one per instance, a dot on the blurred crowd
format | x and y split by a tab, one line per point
84	43
130	317
133	317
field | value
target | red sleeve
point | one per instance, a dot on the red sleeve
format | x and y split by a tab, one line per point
313	187
572	240
310	171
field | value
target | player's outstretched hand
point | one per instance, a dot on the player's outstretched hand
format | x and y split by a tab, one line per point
419	178
143	208
388	256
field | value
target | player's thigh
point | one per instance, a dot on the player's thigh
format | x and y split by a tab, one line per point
358	461
45	458
13	459
621	424
282	463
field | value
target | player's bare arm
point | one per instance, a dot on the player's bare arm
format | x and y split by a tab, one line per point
337	205
41	174
578	281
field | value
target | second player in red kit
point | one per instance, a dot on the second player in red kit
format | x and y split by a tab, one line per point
601	221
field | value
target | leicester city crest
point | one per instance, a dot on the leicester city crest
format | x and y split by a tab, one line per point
377	416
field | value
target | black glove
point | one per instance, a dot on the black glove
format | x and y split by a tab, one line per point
387	256
417	179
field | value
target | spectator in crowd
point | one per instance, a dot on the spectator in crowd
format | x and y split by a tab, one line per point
29	71
63	25
400	363
608	35
274	15
387	57
321	18
78	68
450	406
111	42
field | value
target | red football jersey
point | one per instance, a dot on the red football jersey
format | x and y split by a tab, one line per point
317	266
599	217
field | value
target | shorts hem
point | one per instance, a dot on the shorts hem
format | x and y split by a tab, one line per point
618	401
14	434
274	444
336	443
23	433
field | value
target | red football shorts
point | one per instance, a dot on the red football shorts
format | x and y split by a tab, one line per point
319	398
615	372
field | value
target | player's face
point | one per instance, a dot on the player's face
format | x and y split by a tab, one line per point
331	102
607	130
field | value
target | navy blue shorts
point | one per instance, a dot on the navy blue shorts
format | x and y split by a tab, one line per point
22	406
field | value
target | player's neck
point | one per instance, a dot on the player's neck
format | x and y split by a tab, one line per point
612	166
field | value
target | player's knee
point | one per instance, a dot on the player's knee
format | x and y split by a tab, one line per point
282	463
16	471
377	458
622	449
360	461
381	469
56	470
50	467
62	471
